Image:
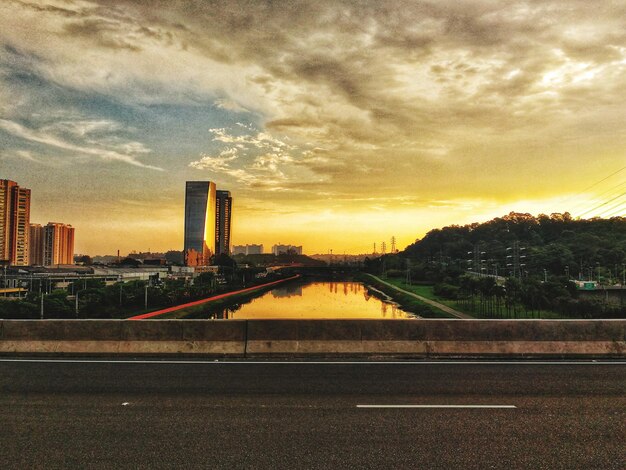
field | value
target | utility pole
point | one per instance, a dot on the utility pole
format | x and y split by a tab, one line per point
121	287
41	312
146	297
76	298
408	272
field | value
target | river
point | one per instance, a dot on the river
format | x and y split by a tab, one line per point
316	300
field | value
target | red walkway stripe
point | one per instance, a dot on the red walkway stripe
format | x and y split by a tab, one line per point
202	301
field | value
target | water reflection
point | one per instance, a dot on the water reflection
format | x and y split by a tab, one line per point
287	291
331	300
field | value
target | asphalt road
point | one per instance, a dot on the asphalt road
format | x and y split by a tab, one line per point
306	415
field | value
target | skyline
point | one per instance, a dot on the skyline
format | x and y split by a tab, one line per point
335	125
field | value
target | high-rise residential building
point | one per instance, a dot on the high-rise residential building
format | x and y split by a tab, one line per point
200	205
58	244
6	219
35	242
14	223
223	212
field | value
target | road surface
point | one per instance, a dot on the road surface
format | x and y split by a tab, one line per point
294	415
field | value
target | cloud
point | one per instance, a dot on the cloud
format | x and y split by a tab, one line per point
230	105
419	96
48	139
84	127
262	159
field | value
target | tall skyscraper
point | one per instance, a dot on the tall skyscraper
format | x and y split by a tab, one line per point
200	205
208	215
223	211
35	243
14	223
58	244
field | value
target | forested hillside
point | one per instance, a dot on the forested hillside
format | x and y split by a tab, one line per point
540	257
556	243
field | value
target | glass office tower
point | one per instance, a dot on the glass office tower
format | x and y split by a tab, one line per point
200	205
222	222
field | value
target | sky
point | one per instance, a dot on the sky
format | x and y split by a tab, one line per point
334	124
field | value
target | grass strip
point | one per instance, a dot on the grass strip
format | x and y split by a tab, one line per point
406	302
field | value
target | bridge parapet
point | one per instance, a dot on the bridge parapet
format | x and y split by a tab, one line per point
309	338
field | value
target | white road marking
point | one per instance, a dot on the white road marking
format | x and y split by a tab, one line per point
436	406
125	403
223	362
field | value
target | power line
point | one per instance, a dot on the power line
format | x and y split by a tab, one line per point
611	208
620	211
596	183
603	204
582	205
603	179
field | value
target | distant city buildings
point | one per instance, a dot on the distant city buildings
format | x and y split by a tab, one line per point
208	217
23	243
284	249
248	250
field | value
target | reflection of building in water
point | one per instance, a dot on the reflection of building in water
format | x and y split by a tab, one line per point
287	291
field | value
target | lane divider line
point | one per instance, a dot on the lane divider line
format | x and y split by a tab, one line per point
209	299
339	363
439	406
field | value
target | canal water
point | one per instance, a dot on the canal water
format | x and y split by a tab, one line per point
316	300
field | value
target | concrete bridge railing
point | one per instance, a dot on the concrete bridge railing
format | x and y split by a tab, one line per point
290	338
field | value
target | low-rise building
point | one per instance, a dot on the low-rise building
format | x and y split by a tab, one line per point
285	249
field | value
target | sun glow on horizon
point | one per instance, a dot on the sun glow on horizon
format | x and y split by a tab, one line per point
334	126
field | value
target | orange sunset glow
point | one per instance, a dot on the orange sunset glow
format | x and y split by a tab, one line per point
334	125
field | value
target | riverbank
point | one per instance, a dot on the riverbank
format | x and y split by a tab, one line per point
198	308
407	301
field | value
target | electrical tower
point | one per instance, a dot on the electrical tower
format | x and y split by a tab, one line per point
374	247
476	262
383	248
393	244
515	259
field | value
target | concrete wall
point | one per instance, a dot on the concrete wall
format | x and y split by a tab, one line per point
267	338
222	338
